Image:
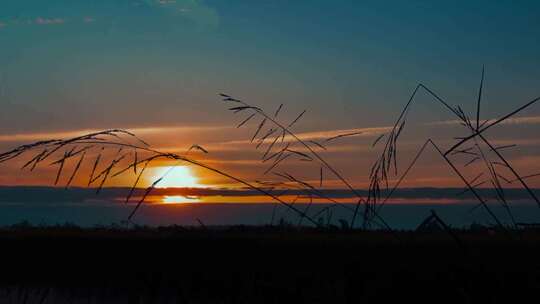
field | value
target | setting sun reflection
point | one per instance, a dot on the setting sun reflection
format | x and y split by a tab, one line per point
178	199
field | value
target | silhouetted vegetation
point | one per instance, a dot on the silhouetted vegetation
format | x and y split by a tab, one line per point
270	264
386	164
308	260
282	144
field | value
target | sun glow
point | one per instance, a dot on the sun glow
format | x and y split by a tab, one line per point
176	177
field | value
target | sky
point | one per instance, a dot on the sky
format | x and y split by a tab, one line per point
156	67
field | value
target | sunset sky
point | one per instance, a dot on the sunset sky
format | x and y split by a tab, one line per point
156	67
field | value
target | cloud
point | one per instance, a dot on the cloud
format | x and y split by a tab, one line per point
50	195
194	10
318	135
359	132
23	137
48	21
524	120
36	21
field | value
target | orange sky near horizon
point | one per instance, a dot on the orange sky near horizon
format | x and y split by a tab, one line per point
231	151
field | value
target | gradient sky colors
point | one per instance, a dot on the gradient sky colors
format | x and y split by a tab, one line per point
155	67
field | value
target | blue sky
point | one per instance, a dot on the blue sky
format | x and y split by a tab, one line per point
350	52
73	65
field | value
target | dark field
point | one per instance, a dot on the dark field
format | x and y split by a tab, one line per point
265	265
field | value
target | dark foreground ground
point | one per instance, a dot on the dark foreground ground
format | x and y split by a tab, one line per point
256	265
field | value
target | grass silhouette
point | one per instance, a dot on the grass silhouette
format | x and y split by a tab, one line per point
115	139
387	162
281	145
252	264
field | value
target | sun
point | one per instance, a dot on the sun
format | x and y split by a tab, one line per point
176	177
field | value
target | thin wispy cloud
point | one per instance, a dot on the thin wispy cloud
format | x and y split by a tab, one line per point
48	21
323	135
165	2
377	131
30	195
524	120
196	11
17	137
38	21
